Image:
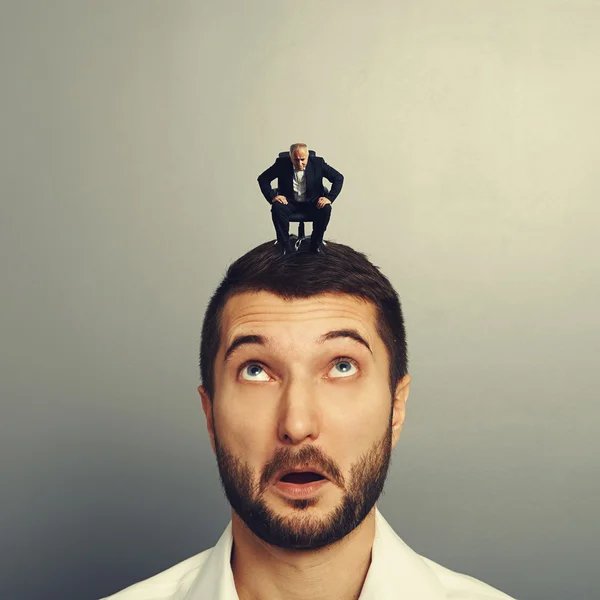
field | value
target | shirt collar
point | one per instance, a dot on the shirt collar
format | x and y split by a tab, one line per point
396	571
215	578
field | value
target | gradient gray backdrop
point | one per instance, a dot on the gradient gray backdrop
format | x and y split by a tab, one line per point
132	134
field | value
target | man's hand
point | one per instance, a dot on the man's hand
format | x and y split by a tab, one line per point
322	201
281	199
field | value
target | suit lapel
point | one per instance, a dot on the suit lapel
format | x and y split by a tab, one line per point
290	175
310	178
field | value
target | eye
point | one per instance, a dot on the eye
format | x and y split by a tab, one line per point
343	368
254	372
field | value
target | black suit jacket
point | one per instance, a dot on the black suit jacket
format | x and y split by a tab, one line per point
316	169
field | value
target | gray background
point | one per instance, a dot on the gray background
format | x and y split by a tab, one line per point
132	133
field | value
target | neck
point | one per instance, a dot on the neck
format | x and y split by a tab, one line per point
335	572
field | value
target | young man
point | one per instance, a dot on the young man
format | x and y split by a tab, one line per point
304	388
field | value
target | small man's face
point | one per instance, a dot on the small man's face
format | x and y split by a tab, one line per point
299	158
303	421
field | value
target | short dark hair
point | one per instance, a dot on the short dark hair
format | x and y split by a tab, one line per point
302	274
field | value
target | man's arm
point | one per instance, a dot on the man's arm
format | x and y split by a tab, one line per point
336	179
264	181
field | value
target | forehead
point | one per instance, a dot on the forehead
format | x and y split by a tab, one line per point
264	311
300	153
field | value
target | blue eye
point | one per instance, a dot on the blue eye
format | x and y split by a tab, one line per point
343	368
254	372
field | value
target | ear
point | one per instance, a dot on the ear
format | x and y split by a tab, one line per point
208	412
399	407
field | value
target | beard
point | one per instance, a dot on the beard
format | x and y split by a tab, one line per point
302	531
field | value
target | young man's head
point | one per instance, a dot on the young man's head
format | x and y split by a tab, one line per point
304	370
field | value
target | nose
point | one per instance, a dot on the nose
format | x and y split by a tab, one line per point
299	418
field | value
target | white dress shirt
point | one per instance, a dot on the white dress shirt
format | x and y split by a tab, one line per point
396	573
299	183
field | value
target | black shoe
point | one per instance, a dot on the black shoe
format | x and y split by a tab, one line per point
317	249
286	249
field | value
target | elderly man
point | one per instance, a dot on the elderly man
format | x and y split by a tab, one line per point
304	388
300	189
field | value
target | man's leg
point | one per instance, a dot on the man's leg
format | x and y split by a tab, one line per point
321	218
281	219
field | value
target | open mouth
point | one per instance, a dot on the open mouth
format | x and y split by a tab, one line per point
302	477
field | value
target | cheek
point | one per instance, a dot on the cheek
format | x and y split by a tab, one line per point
357	417
361	405
242	430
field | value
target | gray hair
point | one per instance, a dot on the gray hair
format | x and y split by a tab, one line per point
297	147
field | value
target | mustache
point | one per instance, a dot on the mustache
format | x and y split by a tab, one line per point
285	458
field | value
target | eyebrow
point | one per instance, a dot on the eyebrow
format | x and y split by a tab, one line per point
253	339
345	333
242	340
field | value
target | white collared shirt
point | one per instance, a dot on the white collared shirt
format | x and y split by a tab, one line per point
299	183
396	573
